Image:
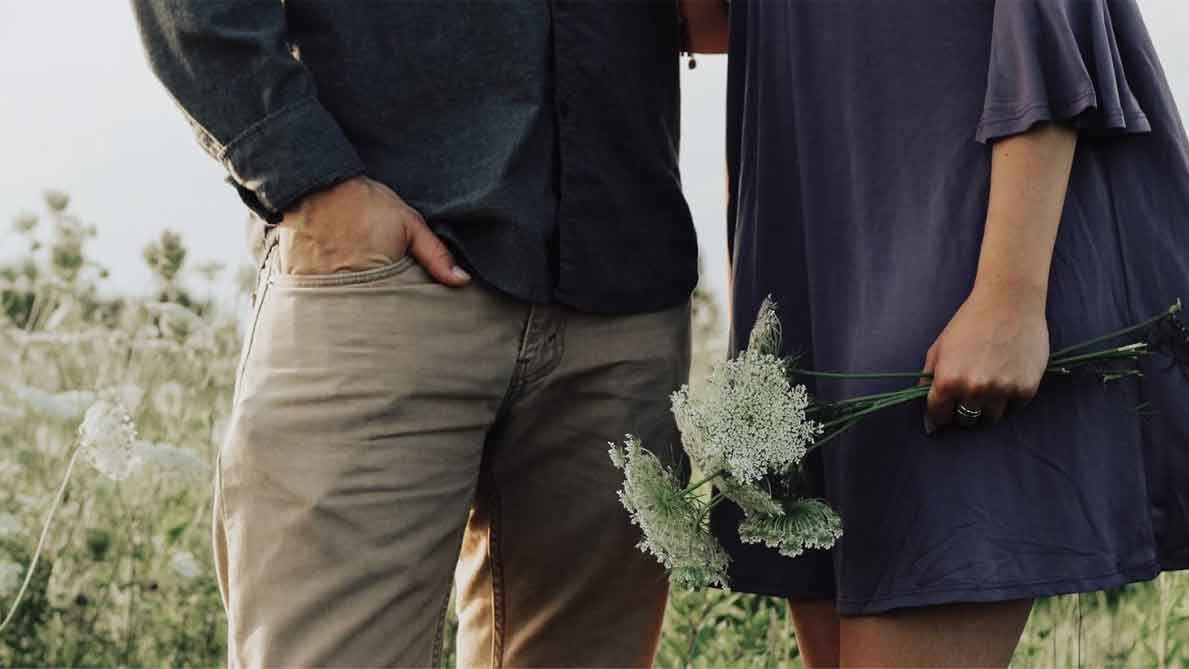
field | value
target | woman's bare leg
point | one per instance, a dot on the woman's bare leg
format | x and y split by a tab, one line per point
816	623
958	635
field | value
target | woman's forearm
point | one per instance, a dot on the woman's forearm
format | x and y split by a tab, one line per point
705	25
1029	178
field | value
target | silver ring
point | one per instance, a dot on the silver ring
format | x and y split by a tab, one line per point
968	417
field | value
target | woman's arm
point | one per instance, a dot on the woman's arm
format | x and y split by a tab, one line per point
995	349
705	25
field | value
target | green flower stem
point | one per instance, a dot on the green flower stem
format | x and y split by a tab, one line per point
1172	310
714	501
878	397
1056	359
1129	352
822	442
694	486
45	530
906	396
862	375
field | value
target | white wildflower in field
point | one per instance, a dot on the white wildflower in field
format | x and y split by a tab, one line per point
61	588
169	399
106	436
10	525
175	320
672	522
127	395
10	471
10	578
805	524
65	406
185	565
49	442
746	419
170	460
30	503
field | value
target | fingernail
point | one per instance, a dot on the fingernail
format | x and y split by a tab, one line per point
929	427
460	273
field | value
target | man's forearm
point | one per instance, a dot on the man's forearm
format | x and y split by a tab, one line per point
252	104
1029	178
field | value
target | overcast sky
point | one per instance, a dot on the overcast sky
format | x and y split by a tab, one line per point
80	111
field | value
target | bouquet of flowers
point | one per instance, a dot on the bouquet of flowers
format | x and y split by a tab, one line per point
748	428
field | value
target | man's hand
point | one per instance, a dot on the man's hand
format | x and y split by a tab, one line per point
358	225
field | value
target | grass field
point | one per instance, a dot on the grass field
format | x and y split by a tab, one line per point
126	576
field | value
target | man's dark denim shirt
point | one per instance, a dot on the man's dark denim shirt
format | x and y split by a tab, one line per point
539	138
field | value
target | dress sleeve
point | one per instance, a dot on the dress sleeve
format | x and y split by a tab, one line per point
1058	60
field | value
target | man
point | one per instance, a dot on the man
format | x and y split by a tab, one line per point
478	274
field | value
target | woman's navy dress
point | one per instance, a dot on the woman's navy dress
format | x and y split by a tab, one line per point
859	158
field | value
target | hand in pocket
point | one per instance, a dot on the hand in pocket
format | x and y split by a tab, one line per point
357	225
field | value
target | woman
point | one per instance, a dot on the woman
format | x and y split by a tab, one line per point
965	186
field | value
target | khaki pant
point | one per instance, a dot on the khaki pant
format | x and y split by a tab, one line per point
389	432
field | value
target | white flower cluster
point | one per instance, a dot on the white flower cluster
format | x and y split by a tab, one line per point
170	460
185	565
10	579
746	419
672	524
804	524
10	525
745	426
65	406
766	334
106	436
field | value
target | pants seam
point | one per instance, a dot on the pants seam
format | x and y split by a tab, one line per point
435	658
498	603
516	382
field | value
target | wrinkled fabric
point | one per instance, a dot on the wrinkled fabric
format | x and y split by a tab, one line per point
859	168
538	138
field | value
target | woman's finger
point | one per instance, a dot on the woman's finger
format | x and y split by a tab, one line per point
995	408
941	402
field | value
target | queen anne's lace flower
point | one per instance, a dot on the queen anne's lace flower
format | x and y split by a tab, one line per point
750	497
805	524
170	460
106	436
169	399
185	565
672	524
766	333
128	395
66	406
175	320
746	419
10	578
10	525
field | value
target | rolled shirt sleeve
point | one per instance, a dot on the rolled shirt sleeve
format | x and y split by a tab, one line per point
1058	61
251	103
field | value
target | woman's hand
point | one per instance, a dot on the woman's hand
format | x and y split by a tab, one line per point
992	354
996	348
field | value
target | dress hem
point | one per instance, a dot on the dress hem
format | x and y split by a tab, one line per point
879	605
1067	586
